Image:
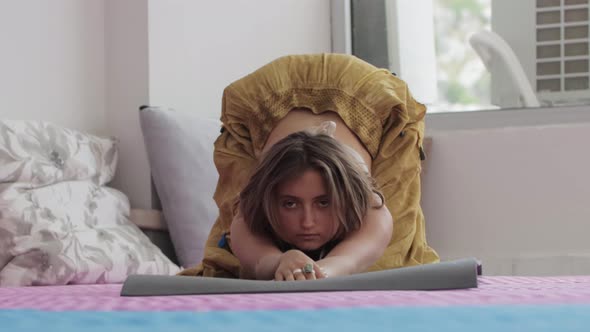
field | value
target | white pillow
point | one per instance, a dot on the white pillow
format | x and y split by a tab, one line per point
59	224
180	151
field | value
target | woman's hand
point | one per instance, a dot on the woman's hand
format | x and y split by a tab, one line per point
295	265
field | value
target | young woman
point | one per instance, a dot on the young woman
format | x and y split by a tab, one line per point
375	116
309	210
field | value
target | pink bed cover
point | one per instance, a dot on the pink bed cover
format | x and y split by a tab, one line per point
491	291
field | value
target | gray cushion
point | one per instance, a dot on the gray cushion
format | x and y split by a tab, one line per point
457	274
180	152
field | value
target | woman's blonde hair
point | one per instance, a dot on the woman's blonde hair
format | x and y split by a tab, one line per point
349	187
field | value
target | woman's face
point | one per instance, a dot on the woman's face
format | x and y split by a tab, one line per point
305	212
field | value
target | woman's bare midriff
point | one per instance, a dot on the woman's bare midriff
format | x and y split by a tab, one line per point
300	119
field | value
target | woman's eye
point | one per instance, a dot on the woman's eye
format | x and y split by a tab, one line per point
324	203
289	204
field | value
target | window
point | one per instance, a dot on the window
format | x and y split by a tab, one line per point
427	43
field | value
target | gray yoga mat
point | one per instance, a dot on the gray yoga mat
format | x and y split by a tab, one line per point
456	274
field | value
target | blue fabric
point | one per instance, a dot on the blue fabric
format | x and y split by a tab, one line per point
563	318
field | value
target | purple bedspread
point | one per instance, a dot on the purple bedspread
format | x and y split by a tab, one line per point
491	291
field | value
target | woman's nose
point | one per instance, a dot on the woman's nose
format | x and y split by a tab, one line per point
308	217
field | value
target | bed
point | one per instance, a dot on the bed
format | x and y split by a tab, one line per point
498	304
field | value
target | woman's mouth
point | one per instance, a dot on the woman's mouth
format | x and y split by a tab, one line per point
308	237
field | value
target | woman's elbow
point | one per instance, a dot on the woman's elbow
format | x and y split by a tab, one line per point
385	225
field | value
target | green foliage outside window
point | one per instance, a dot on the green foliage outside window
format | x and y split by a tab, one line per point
463	80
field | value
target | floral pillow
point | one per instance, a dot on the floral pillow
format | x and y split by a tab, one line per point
59	223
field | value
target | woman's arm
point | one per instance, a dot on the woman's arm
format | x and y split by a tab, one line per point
258	256
361	248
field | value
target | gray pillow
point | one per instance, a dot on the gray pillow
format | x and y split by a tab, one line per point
180	152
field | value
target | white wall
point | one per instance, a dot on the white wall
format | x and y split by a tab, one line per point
127	87
197	48
52	62
516	195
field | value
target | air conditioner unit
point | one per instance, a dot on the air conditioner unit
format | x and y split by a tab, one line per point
551	39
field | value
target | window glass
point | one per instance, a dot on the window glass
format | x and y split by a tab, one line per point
463	82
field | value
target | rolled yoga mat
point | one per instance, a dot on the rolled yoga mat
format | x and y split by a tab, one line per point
456	274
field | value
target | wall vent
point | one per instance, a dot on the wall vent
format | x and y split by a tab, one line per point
562	49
